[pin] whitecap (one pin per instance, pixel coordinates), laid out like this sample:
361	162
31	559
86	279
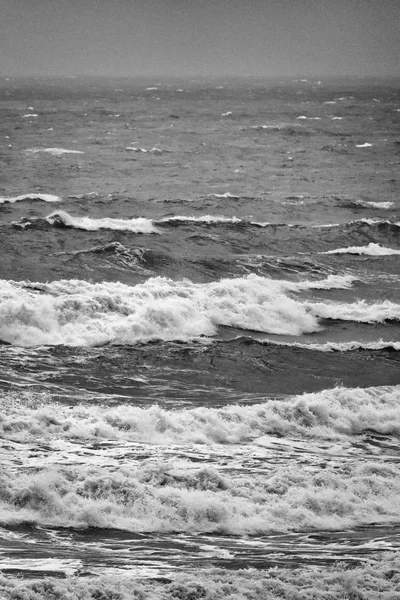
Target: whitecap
371	250
202	219
371	204
54	151
225	195
376	222
366	145
262	223
337	346
139	225
42	197
358	312
365	221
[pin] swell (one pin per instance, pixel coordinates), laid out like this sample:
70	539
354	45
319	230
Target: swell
62	218
242	370
197	250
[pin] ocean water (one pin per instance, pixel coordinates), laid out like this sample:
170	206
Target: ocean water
199	339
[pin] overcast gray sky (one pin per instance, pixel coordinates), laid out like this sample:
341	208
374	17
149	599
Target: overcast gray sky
200	37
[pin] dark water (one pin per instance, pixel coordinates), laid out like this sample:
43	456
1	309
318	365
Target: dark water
199	327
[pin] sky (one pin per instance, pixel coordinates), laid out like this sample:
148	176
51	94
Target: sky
199	37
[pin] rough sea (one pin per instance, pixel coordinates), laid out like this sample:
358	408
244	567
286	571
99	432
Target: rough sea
200	339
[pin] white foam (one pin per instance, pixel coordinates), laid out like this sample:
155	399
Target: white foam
42	197
54	151
75	312
366	145
371	250
226	114
29	115
139	225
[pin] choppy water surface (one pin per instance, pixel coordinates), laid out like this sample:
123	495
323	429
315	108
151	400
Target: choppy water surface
199	325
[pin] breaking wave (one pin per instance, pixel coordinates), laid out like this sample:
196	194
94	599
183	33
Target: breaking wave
75	312
372	579
163	497
177	495
335	414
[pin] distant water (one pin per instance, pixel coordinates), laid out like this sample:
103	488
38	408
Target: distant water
200	339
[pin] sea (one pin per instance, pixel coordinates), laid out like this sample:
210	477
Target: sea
199	338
